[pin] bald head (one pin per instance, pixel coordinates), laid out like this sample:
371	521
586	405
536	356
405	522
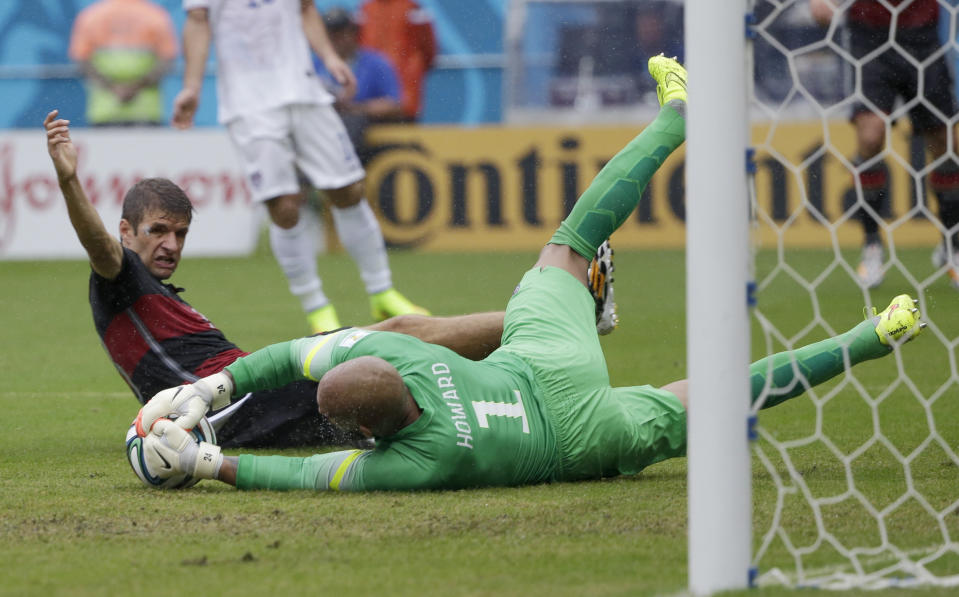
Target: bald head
366	394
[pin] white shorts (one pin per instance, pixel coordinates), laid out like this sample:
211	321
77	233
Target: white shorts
273	144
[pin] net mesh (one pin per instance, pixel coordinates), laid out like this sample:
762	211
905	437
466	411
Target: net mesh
858	479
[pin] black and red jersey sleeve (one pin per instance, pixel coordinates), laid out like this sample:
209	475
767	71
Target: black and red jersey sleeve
154	338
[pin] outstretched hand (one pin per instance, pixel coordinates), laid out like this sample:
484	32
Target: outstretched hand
61	148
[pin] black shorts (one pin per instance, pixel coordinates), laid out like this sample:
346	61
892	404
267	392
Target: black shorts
891	75
283	418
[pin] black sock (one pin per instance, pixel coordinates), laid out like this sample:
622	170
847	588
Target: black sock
875	193
944	182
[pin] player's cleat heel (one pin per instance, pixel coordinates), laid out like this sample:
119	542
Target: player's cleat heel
940	258
391	303
600	278
670	79
870	267
323	319
899	322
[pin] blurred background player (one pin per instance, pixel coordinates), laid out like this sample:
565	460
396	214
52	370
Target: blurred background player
886	77
403	31
281	119
377	97
156	339
124	48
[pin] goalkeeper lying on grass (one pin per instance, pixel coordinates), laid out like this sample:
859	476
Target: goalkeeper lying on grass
540	408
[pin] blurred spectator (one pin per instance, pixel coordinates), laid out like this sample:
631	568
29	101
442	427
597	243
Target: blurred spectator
377	97
603	51
403	31
124	47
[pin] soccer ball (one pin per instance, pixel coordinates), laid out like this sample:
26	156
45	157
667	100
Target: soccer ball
203	432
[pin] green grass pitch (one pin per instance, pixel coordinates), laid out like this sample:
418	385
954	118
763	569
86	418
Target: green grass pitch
75	521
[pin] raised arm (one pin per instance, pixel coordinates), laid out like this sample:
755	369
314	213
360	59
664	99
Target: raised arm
103	249
196	49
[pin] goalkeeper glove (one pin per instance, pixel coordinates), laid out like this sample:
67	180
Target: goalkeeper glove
169	449
190	402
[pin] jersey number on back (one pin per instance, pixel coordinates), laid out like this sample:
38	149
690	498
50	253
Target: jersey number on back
512	410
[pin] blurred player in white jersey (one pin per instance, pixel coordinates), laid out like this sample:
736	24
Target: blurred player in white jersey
280	119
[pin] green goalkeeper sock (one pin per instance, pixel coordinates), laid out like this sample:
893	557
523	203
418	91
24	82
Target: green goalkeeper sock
816	363
616	190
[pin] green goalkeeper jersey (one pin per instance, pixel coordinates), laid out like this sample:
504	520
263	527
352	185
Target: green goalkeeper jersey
482	423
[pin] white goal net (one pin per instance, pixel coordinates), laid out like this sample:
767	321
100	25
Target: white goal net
856	483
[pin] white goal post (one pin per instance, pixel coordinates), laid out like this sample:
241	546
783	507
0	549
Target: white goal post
855	482
717	258
860	487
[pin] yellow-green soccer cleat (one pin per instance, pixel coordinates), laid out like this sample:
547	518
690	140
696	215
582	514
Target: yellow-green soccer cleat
899	322
391	303
323	319
670	79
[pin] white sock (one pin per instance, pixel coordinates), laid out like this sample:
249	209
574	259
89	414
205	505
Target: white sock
361	235
294	250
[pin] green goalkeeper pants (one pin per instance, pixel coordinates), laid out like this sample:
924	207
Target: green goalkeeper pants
601	431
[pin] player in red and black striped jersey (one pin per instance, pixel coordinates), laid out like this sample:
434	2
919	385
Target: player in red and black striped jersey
889	74
152	335
157	340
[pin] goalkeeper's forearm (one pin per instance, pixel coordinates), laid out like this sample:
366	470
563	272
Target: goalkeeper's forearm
272	367
265	369
283	363
335	471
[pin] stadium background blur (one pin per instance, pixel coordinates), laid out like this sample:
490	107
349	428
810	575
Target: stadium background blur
474	79
525	103
34	65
